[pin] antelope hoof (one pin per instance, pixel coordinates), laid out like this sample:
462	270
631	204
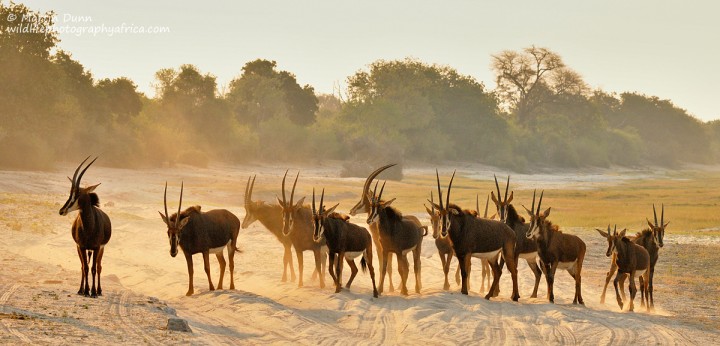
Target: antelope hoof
219	287
338	289
516	298
391	288
232	286
375	294
487	296
404	291
463	291
534	295
189	293
446	286
99	292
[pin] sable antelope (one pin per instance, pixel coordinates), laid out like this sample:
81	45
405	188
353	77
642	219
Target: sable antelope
556	249
91	229
476	237
653	244
270	216
444	246
298	227
631	259
363	206
195	231
651	239
524	248
397	235
344	239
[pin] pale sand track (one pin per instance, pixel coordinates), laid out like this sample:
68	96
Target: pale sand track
40	274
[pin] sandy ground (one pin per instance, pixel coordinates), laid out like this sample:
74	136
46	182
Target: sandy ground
144	286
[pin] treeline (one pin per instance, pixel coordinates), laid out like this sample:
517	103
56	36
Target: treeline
541	113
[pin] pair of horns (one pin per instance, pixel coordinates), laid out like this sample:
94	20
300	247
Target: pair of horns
167	216
249	189
507	187
662	216
447	197
322	197
535	211
372	176
75	181
292	193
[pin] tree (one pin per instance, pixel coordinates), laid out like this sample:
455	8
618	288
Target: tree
530	78
262	92
120	97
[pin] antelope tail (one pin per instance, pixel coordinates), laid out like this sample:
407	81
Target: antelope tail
363	264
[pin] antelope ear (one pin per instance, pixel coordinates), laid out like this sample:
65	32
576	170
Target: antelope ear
650	223
279	201
329	211
492	196
528	211
299	203
70	179
165	220
510	198
454	211
665	225
389	202
183	222
602	233
428	210
622	233
546	213
92	188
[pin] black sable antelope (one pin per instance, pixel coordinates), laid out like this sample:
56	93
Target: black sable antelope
270	216
525	248
209	232
91	229
652	240
344	239
397	235
363	206
556	249
631	259
444	246
475	237
298	227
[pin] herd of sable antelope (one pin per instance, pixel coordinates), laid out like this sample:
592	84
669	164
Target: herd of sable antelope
500	240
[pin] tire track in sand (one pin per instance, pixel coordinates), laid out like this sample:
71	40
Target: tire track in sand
6	294
119	307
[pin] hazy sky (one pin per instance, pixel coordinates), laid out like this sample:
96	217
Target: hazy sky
668	49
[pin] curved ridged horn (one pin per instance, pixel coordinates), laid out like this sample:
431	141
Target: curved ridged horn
487	202
477	203
655	215
447	198
507	187
372	176
662	215
292	194
322	199
497	186
283	188
177	218
540	202
314	210
167	216
76	172
381	190
79	178
437	175
432	204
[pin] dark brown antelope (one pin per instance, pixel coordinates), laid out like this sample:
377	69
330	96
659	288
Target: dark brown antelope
631	260
91	229
270	216
444	246
556	249
344	239
476	237
653	244
525	248
399	236
363	206
651	239
195	231
298	227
